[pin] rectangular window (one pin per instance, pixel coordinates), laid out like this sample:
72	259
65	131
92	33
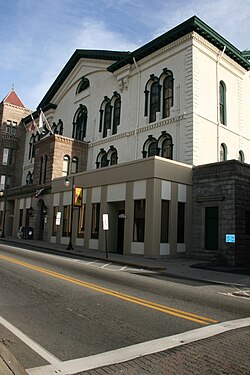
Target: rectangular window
248	222
139	220
181	223
95	220
1	220
7	156
164	221
54	227
2	182
81	221
27	217
211	227
66	221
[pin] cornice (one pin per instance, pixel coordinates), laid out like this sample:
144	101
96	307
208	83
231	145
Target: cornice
143	129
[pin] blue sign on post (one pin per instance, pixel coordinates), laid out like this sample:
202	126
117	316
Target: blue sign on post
230	238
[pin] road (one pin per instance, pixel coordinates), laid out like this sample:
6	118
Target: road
55	309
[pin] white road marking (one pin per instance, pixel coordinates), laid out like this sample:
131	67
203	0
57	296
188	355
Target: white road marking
106	265
138	350
50	358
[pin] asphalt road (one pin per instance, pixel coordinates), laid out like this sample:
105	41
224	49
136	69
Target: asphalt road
54	308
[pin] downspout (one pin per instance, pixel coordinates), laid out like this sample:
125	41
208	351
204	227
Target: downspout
138	107
219	57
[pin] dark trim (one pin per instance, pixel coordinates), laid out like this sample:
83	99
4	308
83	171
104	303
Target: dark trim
192	24
77	55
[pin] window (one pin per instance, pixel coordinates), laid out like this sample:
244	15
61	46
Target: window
139	220
31	147
117	114
164	221
113	157
152	148
223	152
29	178
104	160
2	182
66	221
7	156
74	166
159	95
95	220
167	94
81	221
66	162
154	101
80	123
83	85
181	222
54	226
20	218
108	116
222	103
107	119
167	147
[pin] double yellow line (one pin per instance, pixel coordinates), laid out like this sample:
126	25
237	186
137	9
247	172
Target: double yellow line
139	301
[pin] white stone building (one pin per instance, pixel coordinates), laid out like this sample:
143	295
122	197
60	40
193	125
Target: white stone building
181	100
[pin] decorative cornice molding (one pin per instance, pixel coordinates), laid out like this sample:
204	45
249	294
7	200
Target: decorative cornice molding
146	128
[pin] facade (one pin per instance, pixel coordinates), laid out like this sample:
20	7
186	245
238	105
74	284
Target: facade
130	129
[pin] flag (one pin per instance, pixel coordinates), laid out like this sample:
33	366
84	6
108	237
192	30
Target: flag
39	192
44	126
33	128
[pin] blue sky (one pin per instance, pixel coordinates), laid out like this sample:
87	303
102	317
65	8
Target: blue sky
37	38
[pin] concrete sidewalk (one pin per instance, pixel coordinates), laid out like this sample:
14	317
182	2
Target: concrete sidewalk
186	268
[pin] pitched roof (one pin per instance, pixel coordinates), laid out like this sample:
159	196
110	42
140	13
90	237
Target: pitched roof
13	99
77	55
192	24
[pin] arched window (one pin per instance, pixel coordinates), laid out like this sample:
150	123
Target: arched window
241	156
83	85
167	94
104	160
150	147
154	101
222	97
112	155
153	148
74	166
66	162
223	152
107	119
167	147
31	147
117	114
29	178
80	123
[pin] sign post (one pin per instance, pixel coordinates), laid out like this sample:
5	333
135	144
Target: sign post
105	226
230	239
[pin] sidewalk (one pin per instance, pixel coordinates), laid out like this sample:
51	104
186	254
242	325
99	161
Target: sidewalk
193	269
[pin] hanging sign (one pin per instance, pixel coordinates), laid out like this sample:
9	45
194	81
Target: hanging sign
78	196
58	218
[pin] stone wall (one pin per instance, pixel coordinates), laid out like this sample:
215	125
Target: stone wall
227	186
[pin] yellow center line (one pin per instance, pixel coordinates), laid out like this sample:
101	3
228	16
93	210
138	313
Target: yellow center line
139	301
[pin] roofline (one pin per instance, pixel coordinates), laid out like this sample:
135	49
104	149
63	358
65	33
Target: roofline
77	55
192	24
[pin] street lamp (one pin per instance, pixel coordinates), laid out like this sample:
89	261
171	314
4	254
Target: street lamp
67	183
2	193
